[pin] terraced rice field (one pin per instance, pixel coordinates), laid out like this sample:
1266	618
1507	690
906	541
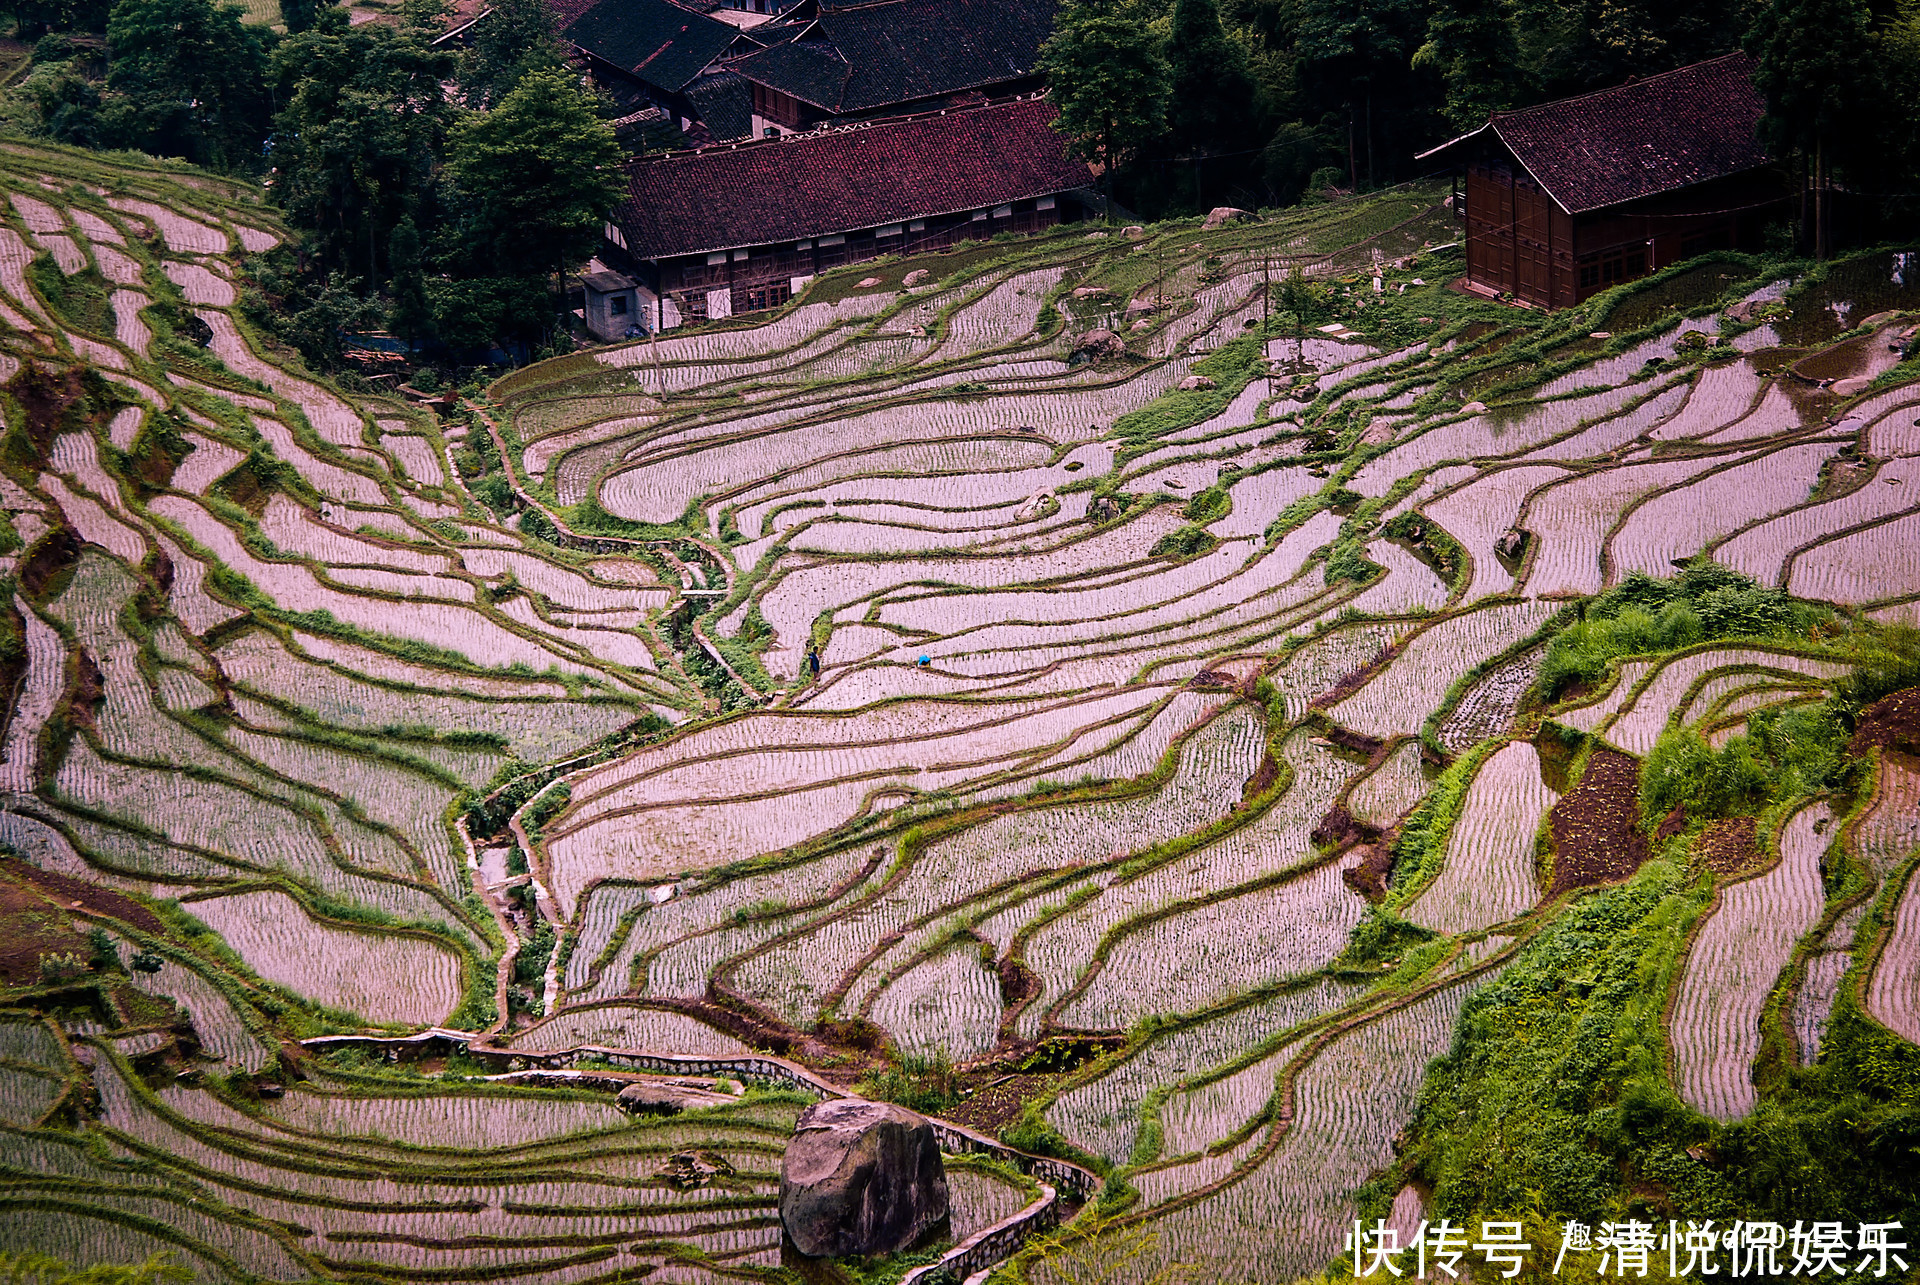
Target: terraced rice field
1488	876
910	694
1735	959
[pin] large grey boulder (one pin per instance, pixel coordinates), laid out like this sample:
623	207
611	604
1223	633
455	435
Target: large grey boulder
1096	346
860	1178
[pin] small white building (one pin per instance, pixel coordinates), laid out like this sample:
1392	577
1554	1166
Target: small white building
612	303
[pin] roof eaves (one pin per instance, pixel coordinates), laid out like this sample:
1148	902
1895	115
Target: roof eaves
766	83
1698	182
1453	142
861	227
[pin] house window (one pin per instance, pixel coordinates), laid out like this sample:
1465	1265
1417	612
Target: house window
617	305
767	296
1610	267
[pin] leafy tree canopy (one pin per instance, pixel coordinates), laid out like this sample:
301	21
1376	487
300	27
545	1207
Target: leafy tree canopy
537	175
189	80
1109	80
356	146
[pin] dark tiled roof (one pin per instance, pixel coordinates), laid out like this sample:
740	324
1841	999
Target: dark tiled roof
843	180
662	43
1640	139
565	11
870	56
724	103
809	69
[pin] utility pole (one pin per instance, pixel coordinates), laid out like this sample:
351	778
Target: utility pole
1266	296
1819	199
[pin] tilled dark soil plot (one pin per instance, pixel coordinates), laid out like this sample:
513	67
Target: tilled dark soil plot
1594	827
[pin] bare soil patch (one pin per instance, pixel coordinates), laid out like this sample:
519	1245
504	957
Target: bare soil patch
999	1101
1594	827
65	890
30	928
1890	723
1729	846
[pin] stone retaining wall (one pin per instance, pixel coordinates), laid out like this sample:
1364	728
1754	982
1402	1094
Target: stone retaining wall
993	1245
977	1253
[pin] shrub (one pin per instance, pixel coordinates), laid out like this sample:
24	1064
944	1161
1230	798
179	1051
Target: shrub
1347	560
1786	753
1208	506
1187	542
1642	614
926	1085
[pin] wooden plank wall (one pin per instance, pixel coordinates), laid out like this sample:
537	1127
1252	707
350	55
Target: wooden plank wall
1518	240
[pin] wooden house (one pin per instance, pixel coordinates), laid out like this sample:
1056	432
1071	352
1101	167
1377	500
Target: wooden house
654	54
890	57
723	78
720	230
1569	198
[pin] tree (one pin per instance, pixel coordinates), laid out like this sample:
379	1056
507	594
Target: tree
1212	107
1357	53
1816	70
410	316
537	175
190	81
515	37
1573	46
1471	44
34	18
356	147
300	15
1109	81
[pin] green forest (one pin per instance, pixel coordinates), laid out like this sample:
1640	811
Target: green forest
1193	103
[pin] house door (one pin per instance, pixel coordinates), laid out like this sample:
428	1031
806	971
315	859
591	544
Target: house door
1532	242
1490	226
